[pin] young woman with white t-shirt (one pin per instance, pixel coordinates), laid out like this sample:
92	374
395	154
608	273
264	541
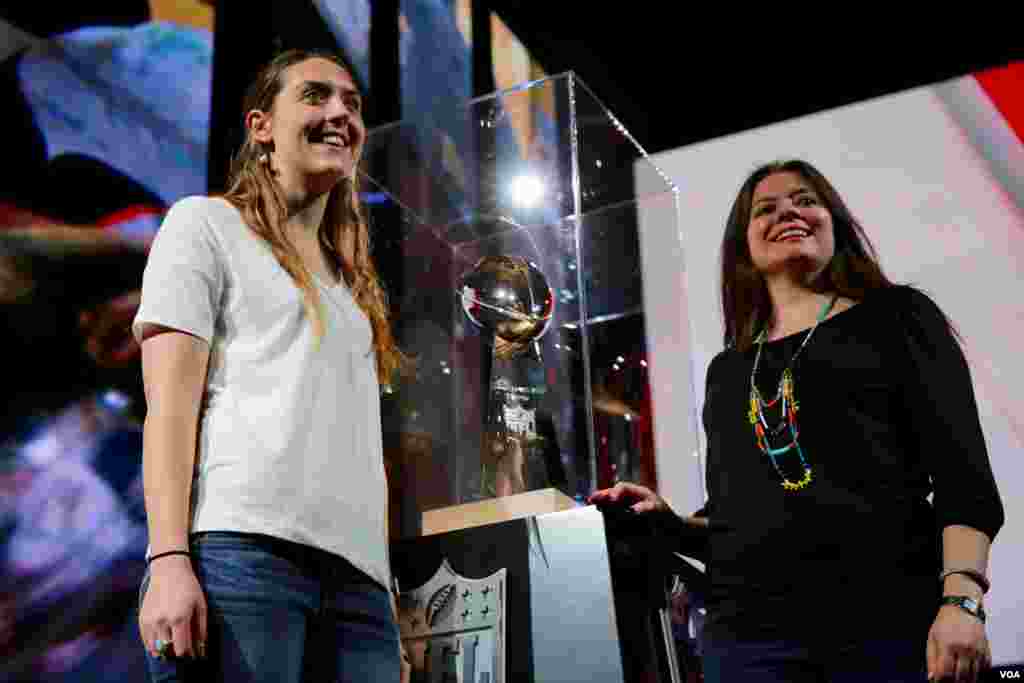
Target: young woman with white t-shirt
265	335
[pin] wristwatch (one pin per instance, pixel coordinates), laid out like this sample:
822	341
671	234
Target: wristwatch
969	605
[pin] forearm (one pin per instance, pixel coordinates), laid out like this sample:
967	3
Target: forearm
684	522
964	548
174	368
167	465
688	533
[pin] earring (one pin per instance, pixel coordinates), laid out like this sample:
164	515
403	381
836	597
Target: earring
263	158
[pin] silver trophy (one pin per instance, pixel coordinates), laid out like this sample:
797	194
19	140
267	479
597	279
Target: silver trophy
509	300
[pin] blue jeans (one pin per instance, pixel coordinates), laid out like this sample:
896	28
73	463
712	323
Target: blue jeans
877	661
287	613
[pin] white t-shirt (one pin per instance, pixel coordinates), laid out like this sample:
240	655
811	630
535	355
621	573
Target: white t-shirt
289	434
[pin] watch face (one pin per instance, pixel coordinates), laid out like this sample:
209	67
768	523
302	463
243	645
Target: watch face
969	604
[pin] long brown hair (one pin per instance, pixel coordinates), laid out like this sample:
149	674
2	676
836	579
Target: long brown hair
344	234
853	271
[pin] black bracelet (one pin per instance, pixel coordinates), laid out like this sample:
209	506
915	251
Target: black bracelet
169	552
972	574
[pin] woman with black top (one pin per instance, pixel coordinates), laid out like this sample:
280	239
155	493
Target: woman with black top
840	404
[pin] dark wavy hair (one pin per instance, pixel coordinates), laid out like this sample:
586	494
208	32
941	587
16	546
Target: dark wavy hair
853	272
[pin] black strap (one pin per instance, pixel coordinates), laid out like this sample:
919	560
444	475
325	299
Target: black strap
972	574
169	552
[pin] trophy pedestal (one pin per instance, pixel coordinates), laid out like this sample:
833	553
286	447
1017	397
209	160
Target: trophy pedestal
494	510
577	595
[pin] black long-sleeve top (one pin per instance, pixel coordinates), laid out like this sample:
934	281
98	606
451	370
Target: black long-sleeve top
887	418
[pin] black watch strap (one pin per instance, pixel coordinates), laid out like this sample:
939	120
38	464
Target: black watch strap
969	605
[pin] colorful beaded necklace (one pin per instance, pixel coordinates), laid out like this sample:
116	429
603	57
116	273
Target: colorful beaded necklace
788	410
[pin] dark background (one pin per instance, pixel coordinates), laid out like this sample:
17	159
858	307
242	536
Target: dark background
679	73
672	74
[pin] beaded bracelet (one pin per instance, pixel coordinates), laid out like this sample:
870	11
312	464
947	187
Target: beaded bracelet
169	552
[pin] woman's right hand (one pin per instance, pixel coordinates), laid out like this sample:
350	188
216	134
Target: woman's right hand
174	608
638	498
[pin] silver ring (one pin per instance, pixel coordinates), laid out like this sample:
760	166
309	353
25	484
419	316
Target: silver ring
164	648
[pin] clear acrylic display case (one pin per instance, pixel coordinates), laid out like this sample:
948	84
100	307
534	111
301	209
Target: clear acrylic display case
512	232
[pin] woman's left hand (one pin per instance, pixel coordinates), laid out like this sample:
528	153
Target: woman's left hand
958	648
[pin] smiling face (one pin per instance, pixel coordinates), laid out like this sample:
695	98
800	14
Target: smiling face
315	128
790	228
